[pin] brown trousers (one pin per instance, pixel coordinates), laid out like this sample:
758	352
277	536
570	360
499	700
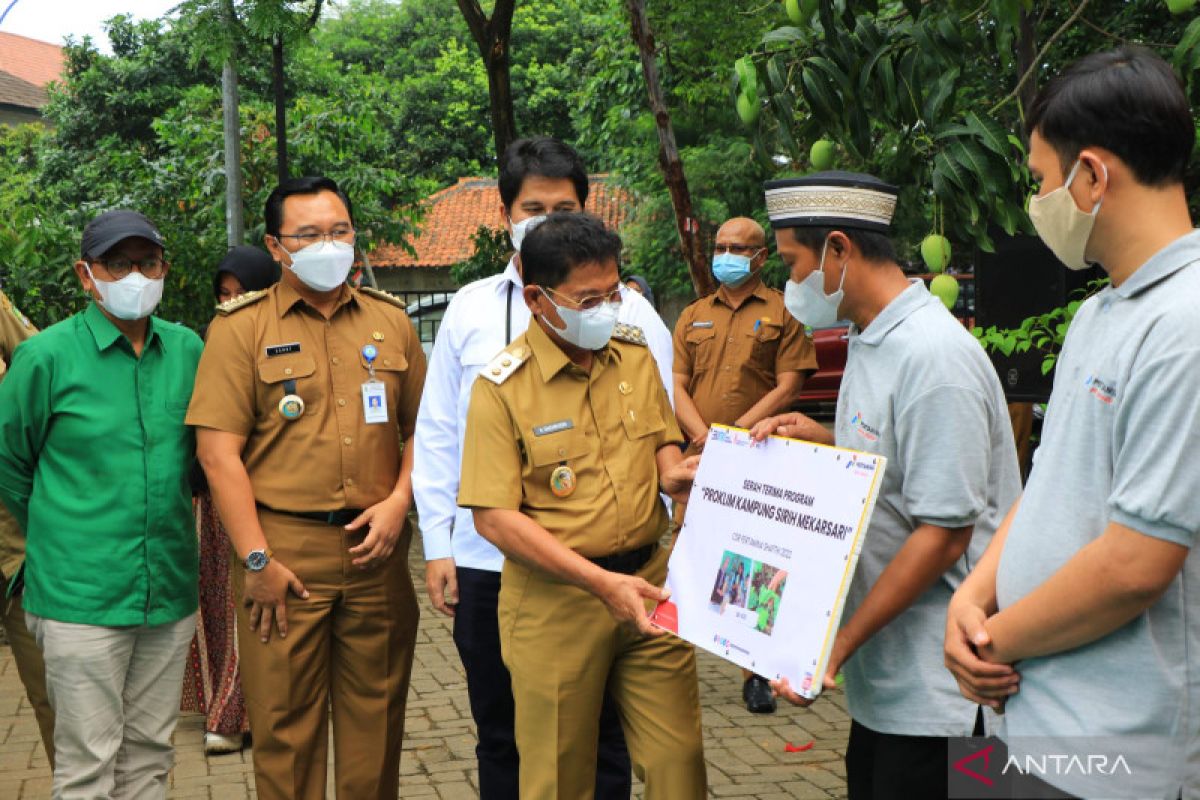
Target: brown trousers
349	648
564	650
30	667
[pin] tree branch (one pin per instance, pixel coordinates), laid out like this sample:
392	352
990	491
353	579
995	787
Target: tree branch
477	22
1041	54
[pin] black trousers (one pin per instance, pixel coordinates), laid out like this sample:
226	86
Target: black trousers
886	766
489	689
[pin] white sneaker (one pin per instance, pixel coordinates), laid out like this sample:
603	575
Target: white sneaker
217	743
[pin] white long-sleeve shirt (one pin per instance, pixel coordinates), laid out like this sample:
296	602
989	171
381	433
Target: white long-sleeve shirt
473	330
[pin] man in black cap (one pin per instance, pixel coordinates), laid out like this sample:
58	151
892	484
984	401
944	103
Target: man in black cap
94	458
918	390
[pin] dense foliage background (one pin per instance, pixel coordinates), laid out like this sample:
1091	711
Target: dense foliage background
391	98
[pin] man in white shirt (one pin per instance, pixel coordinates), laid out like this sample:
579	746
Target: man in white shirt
462	575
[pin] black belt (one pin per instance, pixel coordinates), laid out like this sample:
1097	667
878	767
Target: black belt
626	563
340	517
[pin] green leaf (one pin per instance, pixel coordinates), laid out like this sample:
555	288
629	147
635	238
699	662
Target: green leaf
820	99
943	87
990	133
785	34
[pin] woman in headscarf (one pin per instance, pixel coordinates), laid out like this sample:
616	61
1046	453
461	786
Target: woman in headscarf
212	684
640	285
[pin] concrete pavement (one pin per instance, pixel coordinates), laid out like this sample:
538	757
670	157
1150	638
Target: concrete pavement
745	752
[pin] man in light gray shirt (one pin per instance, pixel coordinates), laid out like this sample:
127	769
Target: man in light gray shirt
1082	619
919	390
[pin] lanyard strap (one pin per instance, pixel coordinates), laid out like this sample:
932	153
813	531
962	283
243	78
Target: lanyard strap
508	315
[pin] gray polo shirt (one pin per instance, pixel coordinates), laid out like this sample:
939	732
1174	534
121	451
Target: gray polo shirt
919	390
1121	443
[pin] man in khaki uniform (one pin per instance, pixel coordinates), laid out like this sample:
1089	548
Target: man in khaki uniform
739	358
305	403
15	328
569	438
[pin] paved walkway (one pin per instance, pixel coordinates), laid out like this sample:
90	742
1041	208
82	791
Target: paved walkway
745	752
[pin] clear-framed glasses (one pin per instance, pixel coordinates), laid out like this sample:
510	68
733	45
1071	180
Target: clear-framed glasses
119	268
345	235
737	249
593	301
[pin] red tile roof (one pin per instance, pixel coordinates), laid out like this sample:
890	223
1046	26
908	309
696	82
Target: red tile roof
456	212
31	60
26	67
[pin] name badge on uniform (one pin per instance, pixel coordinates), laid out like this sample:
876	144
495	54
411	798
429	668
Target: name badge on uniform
553	427
702	324
282	349
374	396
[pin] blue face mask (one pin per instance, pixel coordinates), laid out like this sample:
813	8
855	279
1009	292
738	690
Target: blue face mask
731	269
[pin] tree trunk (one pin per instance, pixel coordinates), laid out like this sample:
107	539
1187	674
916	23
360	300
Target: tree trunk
1026	53
491	37
668	156
280	89
234	221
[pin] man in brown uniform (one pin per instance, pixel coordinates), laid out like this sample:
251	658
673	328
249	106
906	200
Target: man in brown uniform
569	438
304	396
739	358
15	328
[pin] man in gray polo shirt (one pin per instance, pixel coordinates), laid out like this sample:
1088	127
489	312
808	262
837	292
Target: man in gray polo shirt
1092	588
919	390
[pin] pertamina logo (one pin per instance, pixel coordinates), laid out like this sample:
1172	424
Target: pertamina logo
863	429
1102	390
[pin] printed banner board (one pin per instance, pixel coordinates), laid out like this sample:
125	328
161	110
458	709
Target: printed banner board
760	570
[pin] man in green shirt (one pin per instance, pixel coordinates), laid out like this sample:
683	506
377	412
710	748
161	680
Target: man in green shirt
94	460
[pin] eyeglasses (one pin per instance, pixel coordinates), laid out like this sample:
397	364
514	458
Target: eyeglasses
119	268
737	249
336	235
588	303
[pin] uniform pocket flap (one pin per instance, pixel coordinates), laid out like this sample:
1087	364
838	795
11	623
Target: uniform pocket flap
289	367
387	361
639	424
556	448
695	335
768	331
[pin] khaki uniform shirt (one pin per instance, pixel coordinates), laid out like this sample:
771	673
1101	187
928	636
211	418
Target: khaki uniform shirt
606	426
732	356
329	458
15	328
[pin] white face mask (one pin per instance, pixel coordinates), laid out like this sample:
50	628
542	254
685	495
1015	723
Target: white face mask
133	297
587	330
1061	225
519	229
807	301
323	266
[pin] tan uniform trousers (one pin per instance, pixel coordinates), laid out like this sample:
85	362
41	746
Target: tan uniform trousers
30	667
349	647
563	648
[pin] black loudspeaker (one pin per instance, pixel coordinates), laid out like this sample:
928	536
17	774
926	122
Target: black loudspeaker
1023	279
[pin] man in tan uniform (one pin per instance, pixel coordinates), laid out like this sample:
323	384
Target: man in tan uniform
305	403
739	358
569	438
15	328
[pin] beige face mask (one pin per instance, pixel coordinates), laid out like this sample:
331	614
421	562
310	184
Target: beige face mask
1061	225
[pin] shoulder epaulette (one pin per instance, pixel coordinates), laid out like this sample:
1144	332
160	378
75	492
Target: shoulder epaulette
379	294
629	333
247	299
509	360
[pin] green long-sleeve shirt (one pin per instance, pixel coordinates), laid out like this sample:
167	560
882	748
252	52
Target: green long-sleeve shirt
94	459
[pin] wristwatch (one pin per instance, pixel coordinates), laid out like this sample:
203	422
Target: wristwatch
257	560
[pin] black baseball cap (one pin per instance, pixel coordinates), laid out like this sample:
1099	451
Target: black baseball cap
107	230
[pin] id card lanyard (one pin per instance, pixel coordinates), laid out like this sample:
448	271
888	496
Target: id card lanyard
374	392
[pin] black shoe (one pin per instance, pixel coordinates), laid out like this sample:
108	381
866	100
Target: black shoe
758	696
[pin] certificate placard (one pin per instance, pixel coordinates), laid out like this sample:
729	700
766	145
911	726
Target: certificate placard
760	571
